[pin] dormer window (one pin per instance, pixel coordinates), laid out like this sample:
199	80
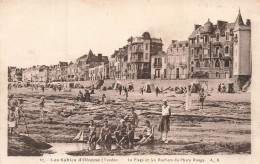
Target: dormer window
217	37
198	38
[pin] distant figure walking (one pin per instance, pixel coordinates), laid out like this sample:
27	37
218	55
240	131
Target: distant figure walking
188	99
142	90
202	97
104	99
120	89
42	108
92	89
126	93
157	90
165	121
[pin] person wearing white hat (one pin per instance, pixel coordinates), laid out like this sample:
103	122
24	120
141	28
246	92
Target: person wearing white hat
165	121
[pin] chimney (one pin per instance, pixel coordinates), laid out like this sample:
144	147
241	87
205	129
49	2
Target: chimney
248	22
100	57
196	26
173	41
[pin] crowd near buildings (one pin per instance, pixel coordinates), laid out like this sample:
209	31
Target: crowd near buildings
221	50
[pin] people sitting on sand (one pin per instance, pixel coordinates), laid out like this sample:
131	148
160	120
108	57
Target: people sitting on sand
92	132
147	134
105	134
120	132
80	96
130	133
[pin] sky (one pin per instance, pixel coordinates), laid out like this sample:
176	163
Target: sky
36	32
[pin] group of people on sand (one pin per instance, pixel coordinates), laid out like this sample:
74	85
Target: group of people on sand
14	113
125	131
84	97
123	88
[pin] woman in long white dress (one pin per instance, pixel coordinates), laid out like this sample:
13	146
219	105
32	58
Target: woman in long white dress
188	99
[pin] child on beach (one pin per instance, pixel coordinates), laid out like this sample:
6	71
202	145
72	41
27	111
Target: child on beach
92	132
120	132
105	133
148	134
11	121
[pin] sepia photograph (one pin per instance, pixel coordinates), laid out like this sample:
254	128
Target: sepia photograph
97	81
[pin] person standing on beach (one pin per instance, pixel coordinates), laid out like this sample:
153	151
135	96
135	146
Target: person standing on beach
165	121
188	99
11	120
202	97
120	89
126	93
157	90
42	108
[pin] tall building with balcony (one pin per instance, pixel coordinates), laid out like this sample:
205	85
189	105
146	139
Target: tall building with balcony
139	53
159	63
221	50
178	60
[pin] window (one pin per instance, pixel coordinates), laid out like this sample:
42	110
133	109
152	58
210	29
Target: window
226	63
217	37
146	46
183	48
217	50
177	49
191	62
217	63
206	63
146	56
217	74
198	51
192	52
197	64
227	36
198	38
205	51
226	49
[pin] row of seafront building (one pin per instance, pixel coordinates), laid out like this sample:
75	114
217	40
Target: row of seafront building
221	50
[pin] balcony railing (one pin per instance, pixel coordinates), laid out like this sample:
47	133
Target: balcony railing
157	65
138	50
214	55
